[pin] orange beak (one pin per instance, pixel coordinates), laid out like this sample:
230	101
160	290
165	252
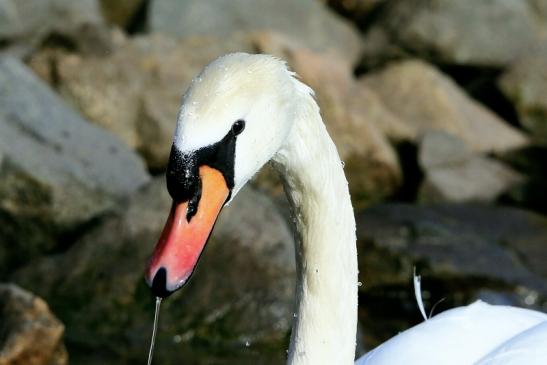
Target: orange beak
183	239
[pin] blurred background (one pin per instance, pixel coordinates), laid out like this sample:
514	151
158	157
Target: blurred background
438	109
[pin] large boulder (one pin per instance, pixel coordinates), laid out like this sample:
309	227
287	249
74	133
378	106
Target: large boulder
465	32
31	21
459	249
57	171
525	84
29	333
454	174
307	21
462	252
424	98
239	302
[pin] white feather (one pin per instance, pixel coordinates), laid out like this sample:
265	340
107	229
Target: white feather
418	294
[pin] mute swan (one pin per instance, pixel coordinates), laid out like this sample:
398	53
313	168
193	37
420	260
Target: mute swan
245	110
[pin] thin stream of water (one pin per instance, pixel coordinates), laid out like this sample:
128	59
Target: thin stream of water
154	330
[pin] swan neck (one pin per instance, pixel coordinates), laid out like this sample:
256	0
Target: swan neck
325	323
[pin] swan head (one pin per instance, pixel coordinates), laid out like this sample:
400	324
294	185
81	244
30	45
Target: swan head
234	117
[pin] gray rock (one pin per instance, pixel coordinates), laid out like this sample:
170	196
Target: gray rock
423	98
462	252
454	174
463	249
466	32
57	171
477	180
98	158
32	20
525	83
306	21
30	333
242	290
438	149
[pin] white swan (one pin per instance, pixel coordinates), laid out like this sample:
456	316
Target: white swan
245	110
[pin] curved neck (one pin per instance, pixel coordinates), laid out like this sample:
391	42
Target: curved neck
325	324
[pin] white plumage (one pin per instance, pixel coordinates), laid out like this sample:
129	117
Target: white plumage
462	335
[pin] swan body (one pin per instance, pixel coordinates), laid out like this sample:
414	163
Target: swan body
463	335
213	156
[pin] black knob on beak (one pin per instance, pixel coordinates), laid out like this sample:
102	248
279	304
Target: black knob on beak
182	175
159	284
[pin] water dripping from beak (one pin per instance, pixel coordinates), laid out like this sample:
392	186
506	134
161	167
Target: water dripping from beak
154	331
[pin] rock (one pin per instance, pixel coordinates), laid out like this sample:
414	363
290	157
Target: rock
525	84
242	291
378	50
460	249
307	21
121	12
439	149
454	174
487	33
423	98
31	21
476	180
57	172
352	114
34	109
135	92
30	333
462	252
529	162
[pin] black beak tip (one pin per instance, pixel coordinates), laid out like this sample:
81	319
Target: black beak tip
159	284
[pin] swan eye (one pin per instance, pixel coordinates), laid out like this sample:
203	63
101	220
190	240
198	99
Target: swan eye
238	126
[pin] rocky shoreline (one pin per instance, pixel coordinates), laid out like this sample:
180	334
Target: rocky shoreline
438	111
